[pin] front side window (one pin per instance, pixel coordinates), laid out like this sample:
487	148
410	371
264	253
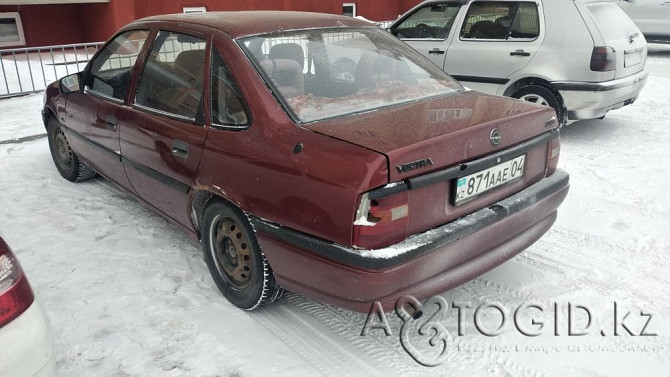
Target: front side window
110	71
431	21
326	73
501	21
172	79
227	102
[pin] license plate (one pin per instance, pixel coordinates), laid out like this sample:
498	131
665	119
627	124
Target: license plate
475	184
631	58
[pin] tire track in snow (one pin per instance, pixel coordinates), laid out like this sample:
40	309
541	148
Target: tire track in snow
324	349
560	253
389	352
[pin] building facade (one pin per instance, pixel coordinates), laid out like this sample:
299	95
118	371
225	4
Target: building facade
31	23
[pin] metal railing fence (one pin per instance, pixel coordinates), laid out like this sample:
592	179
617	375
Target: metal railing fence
29	70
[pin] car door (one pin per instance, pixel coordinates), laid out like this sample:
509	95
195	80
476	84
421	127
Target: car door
91	115
429	29
163	133
495	39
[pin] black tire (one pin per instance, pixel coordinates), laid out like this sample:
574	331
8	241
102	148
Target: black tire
234	257
544	96
64	157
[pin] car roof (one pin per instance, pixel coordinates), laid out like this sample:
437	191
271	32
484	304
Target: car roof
244	23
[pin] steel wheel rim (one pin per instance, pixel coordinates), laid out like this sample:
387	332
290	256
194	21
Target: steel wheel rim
64	154
231	251
534	98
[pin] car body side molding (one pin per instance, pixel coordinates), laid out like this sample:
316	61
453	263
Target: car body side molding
440	236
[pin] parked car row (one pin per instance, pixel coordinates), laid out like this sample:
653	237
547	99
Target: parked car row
348	187
583	58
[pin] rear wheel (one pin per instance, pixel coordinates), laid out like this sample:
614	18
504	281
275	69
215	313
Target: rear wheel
65	159
541	95
234	258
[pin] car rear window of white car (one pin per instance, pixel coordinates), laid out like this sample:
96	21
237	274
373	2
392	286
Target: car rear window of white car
611	20
325	73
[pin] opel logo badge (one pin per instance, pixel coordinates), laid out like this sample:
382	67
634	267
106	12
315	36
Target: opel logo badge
495	137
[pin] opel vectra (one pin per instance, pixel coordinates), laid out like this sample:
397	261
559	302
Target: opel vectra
241	129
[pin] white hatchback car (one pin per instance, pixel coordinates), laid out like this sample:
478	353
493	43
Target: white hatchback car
581	57
26	342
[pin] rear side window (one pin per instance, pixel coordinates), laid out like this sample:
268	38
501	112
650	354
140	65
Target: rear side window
172	80
501	21
611	20
227	105
431	21
110	71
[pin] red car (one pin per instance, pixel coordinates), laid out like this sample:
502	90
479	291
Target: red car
310	152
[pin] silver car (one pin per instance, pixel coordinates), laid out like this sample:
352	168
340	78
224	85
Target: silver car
583	57
651	16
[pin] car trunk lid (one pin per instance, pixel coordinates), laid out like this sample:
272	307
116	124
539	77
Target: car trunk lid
433	145
619	32
430	135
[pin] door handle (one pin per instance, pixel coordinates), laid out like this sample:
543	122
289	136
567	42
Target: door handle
436	51
179	149
111	123
519	53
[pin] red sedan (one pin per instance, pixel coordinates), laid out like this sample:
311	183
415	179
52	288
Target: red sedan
310	152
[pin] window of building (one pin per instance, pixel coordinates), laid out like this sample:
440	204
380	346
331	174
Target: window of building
349	9
195	9
11	30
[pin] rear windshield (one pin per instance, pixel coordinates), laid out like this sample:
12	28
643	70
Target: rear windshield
325	73
612	21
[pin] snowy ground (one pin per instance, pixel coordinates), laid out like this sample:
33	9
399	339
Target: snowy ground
129	294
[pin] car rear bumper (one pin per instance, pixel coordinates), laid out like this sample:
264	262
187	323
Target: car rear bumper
28	348
423	265
588	100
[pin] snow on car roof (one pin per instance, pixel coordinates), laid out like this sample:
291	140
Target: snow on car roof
244	23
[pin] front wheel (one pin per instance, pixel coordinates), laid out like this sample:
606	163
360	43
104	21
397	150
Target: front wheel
234	258
65	159
541	95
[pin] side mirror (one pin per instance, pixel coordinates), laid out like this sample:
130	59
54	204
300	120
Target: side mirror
71	83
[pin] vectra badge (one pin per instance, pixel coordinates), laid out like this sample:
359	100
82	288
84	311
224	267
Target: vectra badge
404	168
495	137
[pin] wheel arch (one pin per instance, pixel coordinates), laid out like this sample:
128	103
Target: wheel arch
200	197
48	113
515	86
526	81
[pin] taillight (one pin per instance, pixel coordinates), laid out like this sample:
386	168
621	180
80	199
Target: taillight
16	296
553	152
603	58
381	222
